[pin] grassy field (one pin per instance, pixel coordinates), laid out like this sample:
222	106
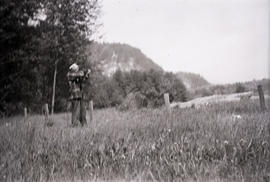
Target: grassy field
220	142
202	101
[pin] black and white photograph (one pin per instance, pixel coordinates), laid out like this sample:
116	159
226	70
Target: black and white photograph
135	91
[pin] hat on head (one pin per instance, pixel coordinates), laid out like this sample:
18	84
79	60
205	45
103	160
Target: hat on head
74	67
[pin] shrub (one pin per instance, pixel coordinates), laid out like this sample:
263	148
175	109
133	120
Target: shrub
239	88
137	89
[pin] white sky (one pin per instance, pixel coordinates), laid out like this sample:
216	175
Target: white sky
222	40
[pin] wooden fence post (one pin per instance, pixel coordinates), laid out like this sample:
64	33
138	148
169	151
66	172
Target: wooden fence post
91	109
261	95
46	110
25	112
167	100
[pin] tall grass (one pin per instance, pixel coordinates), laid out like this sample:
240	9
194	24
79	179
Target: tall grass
206	144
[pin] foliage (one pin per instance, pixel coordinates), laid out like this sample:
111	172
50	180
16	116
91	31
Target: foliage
192	80
37	36
15	50
206	144
106	93
147	88
239	88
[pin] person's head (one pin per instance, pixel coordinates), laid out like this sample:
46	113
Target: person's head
74	67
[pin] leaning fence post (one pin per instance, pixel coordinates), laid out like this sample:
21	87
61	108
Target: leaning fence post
261	95
91	108
167	101
25	112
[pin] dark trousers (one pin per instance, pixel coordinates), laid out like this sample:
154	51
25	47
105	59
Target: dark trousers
78	111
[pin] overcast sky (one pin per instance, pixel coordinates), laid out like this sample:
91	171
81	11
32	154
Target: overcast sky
223	40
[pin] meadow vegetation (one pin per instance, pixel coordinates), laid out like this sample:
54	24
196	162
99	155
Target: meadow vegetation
220	142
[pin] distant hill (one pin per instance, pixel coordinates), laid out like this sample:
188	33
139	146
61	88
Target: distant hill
192	80
114	56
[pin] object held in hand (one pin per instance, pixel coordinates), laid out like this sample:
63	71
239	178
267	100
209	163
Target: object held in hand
88	72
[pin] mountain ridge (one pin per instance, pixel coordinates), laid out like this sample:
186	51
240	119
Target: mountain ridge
117	56
114	56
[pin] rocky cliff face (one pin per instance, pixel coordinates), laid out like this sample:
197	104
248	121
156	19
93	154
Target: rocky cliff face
114	56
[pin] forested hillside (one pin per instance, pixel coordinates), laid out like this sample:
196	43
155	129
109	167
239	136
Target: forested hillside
192	80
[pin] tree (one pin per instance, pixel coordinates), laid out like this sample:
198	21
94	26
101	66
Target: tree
149	87
69	25
239	87
16	60
120	80
158	83
38	41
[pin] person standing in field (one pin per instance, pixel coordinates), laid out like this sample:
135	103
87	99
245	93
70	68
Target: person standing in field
76	80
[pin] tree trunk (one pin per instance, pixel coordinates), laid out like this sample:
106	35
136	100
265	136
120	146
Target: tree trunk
54	84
